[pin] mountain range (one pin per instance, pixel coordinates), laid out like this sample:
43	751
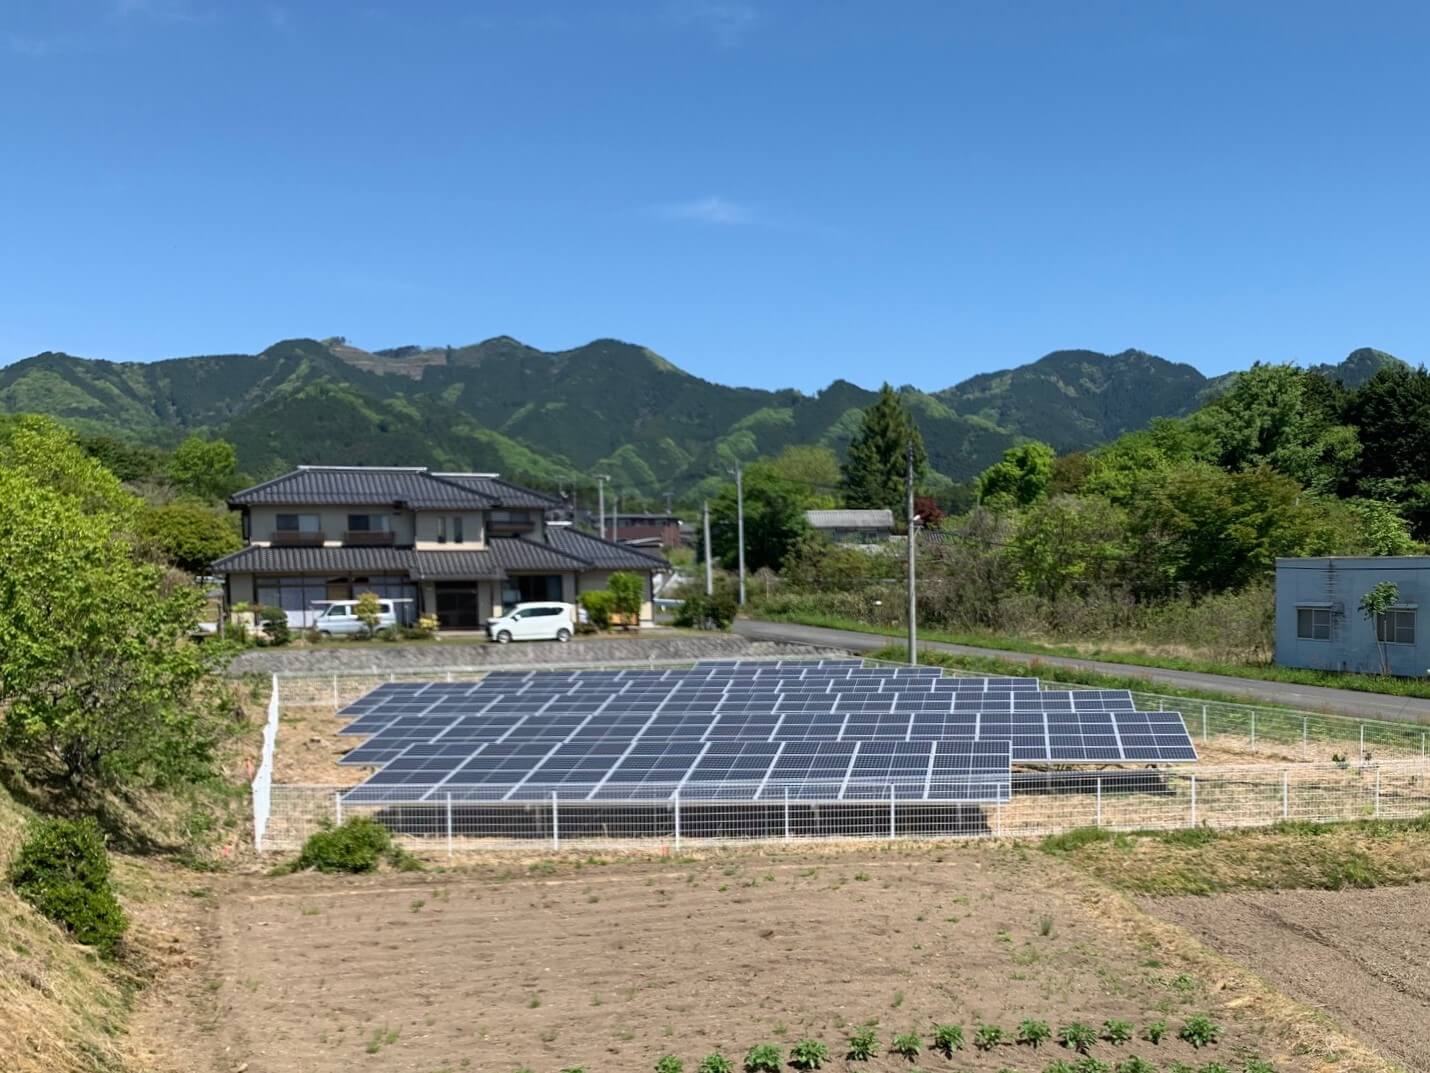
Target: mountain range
608	407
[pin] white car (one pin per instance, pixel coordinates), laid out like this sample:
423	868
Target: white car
340	619
533	622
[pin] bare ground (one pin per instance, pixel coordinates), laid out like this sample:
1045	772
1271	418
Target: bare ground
1362	956
610	965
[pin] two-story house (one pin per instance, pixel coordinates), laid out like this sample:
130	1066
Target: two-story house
461	546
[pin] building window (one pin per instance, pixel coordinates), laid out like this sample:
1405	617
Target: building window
511	517
367	523
441	529
296	523
1313	623
1396	626
456	529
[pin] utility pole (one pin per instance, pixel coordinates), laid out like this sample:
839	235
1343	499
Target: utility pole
601	479
740	526
709	569
913	547
616	517
668	497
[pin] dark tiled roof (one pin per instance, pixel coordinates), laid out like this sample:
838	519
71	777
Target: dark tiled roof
601	553
374	485
516	554
502	493
256	559
432	565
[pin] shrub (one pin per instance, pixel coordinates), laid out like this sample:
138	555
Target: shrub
368	610
700	612
669	1064
627	591
1116	1032
599	605
1154	1032
906	1045
1200	1031
1034	1033
1077	1036
62	869
862	1045
716	1063
986	1037
274	622
808	1054
763	1058
947	1039
1088	1064
356	845
1135	1065
427	623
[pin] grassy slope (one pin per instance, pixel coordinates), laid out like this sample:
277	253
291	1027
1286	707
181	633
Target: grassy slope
1400	687
61	1008
1288	856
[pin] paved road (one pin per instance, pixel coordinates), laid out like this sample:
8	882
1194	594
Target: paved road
1310	698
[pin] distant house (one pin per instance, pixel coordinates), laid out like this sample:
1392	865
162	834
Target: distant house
1319	623
643	528
852	526
460	546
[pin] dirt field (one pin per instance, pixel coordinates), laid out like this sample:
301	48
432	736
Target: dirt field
1362	956
610	965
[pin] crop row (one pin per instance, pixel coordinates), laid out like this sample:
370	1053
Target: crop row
1199	1031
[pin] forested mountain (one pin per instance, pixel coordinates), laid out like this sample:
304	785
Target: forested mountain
607	406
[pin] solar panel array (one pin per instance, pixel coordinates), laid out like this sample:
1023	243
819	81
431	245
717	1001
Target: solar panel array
832	730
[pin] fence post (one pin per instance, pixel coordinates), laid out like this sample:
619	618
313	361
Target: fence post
1253	726
336	705
555	823
1194	800
786	813
891	812
1305	736
449	826
1377	791
1422	745
1285	795
1204	724
677	821
1362	744
998	819
1097	819
338	808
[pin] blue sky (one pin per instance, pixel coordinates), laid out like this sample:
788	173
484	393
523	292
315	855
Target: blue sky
770	192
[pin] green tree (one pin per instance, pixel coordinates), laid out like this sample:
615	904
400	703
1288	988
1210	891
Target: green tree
189	535
774	519
813	468
1381	597
1021	478
1068	544
1391	413
99	678
368	610
62	869
207	469
876	464
627	594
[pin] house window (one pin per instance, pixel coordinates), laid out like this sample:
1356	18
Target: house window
456	529
367	523
1396	626
511	517
296	523
1313	623
441	529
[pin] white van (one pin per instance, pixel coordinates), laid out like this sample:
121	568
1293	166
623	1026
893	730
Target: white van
339	618
533	622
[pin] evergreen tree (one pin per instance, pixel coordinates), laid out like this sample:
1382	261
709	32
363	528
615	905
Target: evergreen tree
874	468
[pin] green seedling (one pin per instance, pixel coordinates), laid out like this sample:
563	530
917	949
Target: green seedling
947	1039
808	1054
1034	1033
1200	1031
906	1045
1077	1036
863	1045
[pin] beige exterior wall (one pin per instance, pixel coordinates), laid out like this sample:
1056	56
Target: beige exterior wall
473	530
240	588
600	579
333	521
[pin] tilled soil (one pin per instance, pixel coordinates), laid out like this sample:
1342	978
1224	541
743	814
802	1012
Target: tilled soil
1361	956
608	966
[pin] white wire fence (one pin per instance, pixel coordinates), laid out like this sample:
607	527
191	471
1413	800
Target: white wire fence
1042	803
1315	767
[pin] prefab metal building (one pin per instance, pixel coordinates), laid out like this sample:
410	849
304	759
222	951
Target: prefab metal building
1320	625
